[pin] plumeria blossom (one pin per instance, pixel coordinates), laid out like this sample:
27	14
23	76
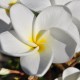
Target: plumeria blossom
39	5
50	38
70	73
72	5
4	71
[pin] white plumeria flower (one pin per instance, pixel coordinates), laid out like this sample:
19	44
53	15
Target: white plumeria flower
50	38
70	73
73	5
39	5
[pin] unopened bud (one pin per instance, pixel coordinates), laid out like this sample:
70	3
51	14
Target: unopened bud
4	71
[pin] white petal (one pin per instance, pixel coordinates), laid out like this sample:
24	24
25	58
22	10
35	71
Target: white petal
58	17
12	46
46	58
22	20
3	16
71	74
60	2
74	7
30	63
36	5
4	3
37	63
63	46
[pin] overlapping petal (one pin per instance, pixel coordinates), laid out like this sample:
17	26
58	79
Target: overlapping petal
37	63
12	46
39	5
30	63
4	17
6	3
46	58
62	44
74	7
22	20
57	17
36	5
60	2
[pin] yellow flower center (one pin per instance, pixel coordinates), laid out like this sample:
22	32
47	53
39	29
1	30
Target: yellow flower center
40	44
41	47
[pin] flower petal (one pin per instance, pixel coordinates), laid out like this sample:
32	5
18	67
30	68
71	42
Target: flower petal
61	2
74	7
4	3
3	16
12	46
46	58
58	17
62	45
36	5
30	63
22	20
37	64
71	74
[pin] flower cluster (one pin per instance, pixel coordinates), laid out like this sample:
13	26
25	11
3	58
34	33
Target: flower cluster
51	37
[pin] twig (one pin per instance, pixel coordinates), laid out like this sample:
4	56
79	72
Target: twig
60	66
16	72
